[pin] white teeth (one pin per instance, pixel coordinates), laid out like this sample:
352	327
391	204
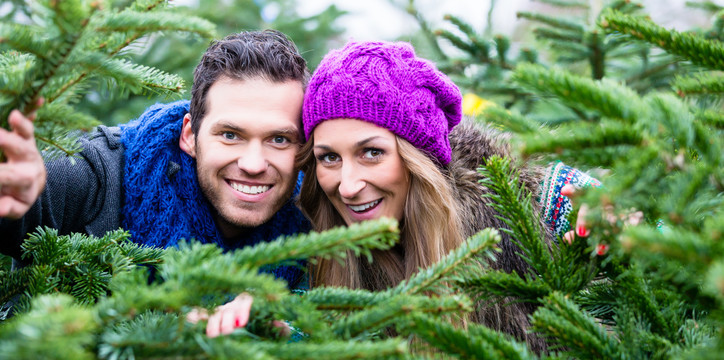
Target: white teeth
363	207
251	190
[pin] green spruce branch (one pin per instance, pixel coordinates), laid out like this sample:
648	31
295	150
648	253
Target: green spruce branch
71	43
476	341
360	238
702	83
690	46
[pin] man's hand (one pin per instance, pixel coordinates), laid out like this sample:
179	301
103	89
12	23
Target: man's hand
23	174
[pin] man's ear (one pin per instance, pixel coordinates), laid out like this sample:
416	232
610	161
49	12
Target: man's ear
187	141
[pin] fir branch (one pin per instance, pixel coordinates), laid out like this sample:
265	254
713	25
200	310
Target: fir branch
686	247
502	45
564	324
459	43
426	30
711	118
690	46
26	38
332	350
576	137
510	200
509	120
624	6
64	147
566	3
13	283
552	21
425	279
706	5
205	269
498	284
329	298
462	25
77	264
15	68
378	317
147	22
72	25
475	342
605	157
558	35
360	238
714	280
636	291
605	96
151	334
700	83
54	328
54	120
140	77
568	52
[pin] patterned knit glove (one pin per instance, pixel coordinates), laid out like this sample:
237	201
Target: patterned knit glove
556	207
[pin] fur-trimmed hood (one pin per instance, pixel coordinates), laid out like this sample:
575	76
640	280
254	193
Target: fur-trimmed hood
471	143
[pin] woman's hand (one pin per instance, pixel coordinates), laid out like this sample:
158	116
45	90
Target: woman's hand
582	228
226	318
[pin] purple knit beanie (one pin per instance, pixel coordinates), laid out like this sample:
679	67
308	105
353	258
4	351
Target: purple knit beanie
386	84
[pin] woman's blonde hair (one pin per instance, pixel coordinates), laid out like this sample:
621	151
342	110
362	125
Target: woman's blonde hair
430	226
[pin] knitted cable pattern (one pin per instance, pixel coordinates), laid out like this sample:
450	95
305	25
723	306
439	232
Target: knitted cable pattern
386	84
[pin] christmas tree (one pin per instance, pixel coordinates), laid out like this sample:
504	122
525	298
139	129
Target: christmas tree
637	103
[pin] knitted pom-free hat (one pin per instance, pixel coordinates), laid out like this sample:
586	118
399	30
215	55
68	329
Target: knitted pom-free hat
386	84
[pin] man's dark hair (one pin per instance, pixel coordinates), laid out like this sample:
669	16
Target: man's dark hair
267	54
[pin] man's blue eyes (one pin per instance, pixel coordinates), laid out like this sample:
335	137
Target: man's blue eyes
276	139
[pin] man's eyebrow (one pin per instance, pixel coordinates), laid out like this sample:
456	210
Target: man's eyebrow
286	131
222	124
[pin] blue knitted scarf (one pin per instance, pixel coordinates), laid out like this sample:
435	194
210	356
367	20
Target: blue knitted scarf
163	202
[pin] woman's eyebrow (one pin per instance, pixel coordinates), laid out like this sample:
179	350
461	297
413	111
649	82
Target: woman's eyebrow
367	140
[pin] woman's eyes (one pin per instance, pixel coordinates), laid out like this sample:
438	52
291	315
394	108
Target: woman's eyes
372	153
367	154
328	158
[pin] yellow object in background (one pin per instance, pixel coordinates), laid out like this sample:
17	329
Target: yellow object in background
474	105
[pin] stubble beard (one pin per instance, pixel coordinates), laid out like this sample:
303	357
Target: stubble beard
224	209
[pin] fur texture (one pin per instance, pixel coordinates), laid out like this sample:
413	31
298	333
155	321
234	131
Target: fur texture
471	143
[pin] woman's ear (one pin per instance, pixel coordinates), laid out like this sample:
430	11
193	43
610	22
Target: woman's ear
187	141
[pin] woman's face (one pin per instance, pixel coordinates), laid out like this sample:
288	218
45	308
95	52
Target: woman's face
360	169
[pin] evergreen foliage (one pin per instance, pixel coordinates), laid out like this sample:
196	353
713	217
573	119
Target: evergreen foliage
638	102
66	45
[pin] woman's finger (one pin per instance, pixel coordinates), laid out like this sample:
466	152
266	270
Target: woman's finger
582	229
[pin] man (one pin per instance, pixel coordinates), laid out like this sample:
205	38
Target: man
220	169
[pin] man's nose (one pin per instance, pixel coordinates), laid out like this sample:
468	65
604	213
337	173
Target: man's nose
253	160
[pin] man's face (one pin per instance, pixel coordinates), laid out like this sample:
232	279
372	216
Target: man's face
245	149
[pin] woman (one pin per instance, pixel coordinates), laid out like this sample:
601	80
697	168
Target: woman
378	121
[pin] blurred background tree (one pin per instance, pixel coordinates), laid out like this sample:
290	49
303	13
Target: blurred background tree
180	53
